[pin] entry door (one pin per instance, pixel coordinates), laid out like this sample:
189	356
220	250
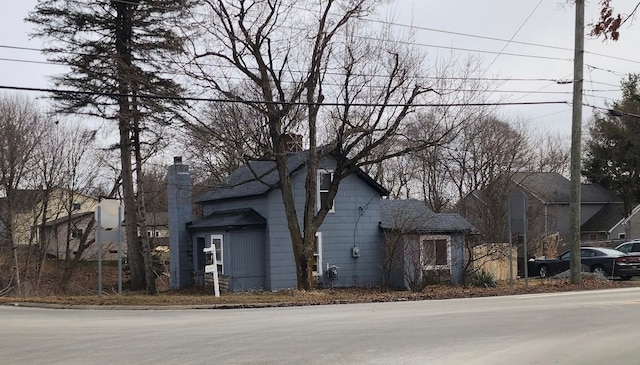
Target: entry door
217	241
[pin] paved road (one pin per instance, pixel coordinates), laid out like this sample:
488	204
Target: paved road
600	327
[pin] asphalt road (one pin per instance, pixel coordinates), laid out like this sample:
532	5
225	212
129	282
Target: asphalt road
601	327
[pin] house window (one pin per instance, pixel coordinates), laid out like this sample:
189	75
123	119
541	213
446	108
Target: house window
435	251
149	234
76	233
157	233
76	206
324	182
216	240
317	255
593	237
622	236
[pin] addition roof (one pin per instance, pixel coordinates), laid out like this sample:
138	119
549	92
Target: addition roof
414	216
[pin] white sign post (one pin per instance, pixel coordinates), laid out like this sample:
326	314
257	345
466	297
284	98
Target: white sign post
213	268
108	216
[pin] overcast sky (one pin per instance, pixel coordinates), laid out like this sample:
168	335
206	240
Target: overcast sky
549	24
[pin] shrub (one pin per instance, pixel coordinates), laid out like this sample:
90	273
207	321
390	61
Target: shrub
483	279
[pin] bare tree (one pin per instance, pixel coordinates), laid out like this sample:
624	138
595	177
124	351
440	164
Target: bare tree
307	54
22	125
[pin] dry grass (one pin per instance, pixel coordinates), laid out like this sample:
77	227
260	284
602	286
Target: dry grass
195	297
83	291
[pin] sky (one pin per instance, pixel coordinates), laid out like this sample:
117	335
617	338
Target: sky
532	45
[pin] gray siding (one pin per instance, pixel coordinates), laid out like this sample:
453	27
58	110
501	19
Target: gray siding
246	260
340	232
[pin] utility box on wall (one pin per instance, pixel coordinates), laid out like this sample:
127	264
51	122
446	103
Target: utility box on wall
355	252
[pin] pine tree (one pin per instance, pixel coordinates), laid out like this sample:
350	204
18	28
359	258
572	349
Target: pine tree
613	148
117	51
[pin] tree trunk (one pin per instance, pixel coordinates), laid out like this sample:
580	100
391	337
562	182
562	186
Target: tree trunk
146	246
123	39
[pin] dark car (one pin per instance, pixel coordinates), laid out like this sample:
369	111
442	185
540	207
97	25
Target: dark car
605	261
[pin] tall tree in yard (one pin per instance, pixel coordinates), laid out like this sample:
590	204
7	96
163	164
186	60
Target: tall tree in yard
613	148
117	51
315	69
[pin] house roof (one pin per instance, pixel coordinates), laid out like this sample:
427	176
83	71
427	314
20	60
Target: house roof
74	217
228	218
551	187
259	177
154	219
606	218
414	216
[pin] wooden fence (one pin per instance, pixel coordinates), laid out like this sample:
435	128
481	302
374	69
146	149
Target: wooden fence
494	258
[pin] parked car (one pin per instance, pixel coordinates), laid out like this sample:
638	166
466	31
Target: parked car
605	261
631	247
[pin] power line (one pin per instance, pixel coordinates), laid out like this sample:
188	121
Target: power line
438	31
504	79
514	35
241	101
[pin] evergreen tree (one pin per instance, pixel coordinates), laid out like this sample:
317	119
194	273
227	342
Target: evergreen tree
117	51
612	156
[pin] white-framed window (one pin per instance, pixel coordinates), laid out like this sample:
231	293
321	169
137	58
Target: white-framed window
76	206
317	255
217	241
324	182
435	251
622	236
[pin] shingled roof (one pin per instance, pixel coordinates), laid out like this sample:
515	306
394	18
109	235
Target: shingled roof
414	216
551	187
229	218
605	219
261	176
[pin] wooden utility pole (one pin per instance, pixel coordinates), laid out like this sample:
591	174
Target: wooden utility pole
576	136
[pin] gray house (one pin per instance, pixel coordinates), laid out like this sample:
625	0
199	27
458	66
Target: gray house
548	211
244	219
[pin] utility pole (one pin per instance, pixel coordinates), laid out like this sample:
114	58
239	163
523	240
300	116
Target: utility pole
576	150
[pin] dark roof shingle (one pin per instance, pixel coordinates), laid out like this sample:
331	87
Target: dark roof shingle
414	216
229	218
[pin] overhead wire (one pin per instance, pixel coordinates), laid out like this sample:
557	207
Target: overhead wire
498	54
262	102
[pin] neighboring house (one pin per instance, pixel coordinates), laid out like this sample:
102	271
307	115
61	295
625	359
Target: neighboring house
434	241
627	228
62	237
548	211
158	228
33	208
244	219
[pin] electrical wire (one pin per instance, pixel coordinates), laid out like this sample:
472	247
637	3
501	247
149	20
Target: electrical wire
260	102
